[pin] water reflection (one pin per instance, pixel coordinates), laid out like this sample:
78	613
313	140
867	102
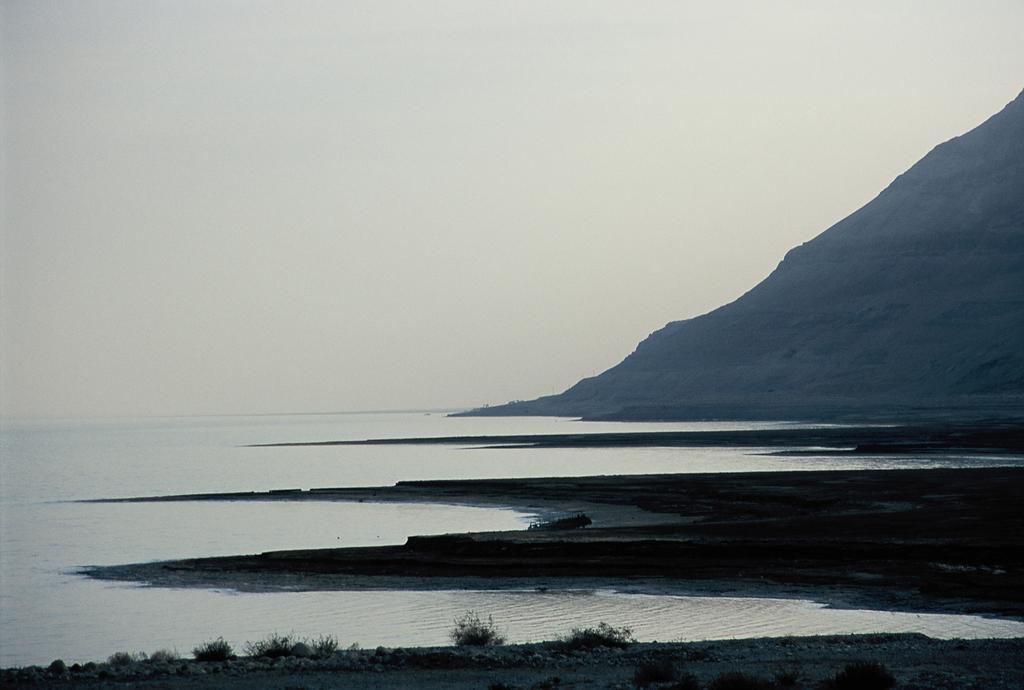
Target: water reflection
46	613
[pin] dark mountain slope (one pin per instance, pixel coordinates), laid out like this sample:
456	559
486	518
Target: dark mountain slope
912	305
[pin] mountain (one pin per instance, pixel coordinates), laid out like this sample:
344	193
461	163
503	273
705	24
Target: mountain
911	306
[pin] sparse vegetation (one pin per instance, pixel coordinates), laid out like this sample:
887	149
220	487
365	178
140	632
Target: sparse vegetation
863	675
273	646
651	672
324	646
125	658
163	656
603	635
739	681
472	631
215	650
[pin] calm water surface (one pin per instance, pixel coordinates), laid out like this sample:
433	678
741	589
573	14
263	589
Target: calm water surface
46	611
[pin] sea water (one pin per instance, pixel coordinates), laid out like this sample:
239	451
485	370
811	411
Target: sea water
46	535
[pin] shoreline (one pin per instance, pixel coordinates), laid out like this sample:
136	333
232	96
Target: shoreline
983	437
911	540
169	574
915	661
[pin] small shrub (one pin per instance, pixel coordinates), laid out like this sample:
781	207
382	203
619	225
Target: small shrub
272	647
471	631
863	675
58	667
603	635
739	681
652	672
124	658
163	656
215	650
324	646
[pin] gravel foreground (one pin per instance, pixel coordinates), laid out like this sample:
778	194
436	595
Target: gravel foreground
915	661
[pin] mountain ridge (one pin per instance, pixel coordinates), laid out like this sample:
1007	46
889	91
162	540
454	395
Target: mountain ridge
913	305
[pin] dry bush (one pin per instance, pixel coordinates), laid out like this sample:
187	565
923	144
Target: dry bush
472	631
603	635
214	650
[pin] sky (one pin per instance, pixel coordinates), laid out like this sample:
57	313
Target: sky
236	207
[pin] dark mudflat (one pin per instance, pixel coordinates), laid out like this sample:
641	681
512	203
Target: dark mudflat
950	540
992	436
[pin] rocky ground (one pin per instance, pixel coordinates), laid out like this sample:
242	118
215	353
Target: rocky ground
916	663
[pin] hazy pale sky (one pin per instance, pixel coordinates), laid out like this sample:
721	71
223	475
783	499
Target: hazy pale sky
223	206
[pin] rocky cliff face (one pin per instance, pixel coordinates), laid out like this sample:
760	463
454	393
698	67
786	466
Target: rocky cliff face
912	305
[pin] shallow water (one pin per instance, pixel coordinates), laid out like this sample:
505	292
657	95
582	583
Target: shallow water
48	612
178	619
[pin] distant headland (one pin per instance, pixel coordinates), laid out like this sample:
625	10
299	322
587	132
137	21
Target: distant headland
911	307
